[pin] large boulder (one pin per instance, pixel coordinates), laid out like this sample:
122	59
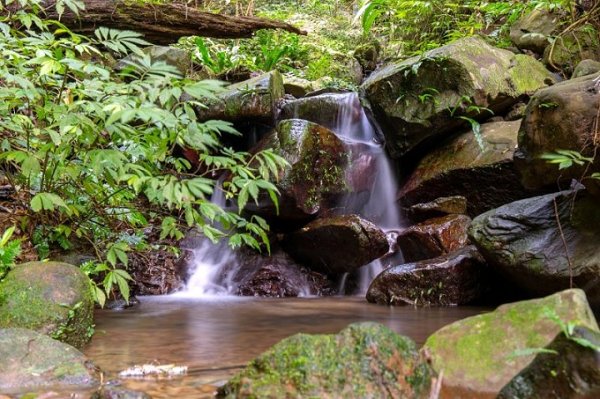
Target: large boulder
569	367
256	99
533	30
314	180
337	244
365	360
523	242
434	237
30	361
50	297
480	354
454	279
561	117
486	178
414	106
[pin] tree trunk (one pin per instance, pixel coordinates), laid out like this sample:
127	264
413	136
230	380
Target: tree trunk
162	23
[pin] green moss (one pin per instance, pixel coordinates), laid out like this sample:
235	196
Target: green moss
528	75
479	350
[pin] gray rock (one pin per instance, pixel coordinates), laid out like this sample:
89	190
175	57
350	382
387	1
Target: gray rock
586	67
522	241
30	361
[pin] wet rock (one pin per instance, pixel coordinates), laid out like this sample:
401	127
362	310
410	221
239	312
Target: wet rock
315	178
522	241
337	245
365	360
480	354
586	67
297	87
516	113
441	206
533	30
572	47
486	178
453	279
172	56
414	106
255	99
434	237
52	298
559	117
30	361
279	276
155	272
323	109
571	369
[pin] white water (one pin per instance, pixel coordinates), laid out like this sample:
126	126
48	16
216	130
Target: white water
215	265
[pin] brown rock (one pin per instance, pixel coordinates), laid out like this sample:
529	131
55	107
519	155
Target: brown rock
434	237
337	244
442	206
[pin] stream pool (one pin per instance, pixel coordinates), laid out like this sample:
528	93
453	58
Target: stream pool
216	336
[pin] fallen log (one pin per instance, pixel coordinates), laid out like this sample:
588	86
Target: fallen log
162	23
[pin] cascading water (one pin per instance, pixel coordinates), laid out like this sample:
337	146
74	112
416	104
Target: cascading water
216	267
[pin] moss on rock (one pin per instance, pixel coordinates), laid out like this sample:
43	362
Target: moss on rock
480	354
365	360
50	297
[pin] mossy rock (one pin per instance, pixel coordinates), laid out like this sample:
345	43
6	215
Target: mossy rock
49	297
533	30
414	106
571	48
480	354
586	67
521	241
30	361
486	177
315	177
365	360
254	100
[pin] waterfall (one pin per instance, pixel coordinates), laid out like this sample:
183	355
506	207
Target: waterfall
353	125
215	267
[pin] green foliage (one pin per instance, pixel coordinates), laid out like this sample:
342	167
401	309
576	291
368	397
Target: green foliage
566	158
86	143
568	329
9	250
112	280
418	25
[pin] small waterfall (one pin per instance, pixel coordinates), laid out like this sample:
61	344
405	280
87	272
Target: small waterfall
216	266
355	128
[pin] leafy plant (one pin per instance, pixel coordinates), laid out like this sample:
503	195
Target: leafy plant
566	158
9	250
92	150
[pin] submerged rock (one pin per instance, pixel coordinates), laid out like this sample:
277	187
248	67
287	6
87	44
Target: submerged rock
480	354
486	178
337	245
561	117
454	279
522	241
50	297
365	360
315	178
570	368
30	361
255	99
414	106
434	237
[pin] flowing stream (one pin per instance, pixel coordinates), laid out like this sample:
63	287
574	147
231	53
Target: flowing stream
216	336
215	266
